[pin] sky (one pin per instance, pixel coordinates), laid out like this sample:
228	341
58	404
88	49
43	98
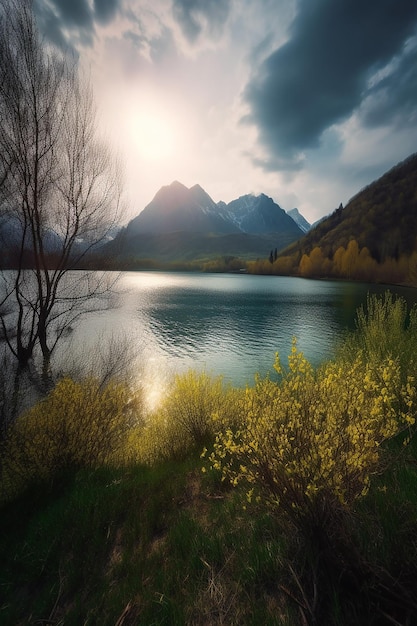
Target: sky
307	101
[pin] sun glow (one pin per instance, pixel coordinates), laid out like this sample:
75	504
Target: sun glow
152	132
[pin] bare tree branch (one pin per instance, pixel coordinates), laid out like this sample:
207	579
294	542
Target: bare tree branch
60	187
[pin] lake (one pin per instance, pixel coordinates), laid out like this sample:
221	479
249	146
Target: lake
229	324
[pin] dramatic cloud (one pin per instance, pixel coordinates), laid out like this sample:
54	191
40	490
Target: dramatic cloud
320	76
50	24
196	16
105	10
75	12
329	88
393	99
67	22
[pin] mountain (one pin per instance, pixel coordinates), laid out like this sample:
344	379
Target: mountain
382	217
11	235
300	220
186	224
258	215
321	219
177	208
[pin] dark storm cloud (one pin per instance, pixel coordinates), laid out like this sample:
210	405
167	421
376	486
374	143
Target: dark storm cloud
393	100
320	75
50	24
63	21
105	10
193	15
75	13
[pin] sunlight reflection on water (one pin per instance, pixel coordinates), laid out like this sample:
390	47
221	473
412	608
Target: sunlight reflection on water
223	323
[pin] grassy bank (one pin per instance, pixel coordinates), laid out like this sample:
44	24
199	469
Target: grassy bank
139	546
292	502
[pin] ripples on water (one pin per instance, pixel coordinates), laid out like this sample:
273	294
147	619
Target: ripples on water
226	324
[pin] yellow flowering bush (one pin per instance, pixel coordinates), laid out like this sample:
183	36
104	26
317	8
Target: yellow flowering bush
315	435
185	418
384	328
78	424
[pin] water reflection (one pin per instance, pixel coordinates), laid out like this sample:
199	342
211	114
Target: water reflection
228	324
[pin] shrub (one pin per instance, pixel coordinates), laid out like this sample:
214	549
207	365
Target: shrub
79	424
384	328
185	419
314	438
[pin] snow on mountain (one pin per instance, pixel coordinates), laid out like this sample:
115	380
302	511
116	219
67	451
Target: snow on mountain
299	219
259	215
177	208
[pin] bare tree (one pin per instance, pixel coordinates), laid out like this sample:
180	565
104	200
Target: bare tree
59	188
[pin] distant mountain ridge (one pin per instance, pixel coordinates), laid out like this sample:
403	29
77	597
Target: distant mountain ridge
183	223
177	208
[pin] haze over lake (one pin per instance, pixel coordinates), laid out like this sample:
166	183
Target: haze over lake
229	324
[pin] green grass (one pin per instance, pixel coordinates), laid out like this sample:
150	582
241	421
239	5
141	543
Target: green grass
142	546
170	545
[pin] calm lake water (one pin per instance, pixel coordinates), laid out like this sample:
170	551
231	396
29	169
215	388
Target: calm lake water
227	324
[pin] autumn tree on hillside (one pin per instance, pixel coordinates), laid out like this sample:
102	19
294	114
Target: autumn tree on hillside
350	259
59	187
306	266
314	264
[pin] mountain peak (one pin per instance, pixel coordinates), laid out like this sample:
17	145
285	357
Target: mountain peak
173	188
261	215
175	185
198	193
177	208
299	220
170	195
197	187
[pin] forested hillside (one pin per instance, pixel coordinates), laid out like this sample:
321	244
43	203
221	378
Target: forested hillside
372	238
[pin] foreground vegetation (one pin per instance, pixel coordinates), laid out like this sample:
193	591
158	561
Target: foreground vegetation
291	502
